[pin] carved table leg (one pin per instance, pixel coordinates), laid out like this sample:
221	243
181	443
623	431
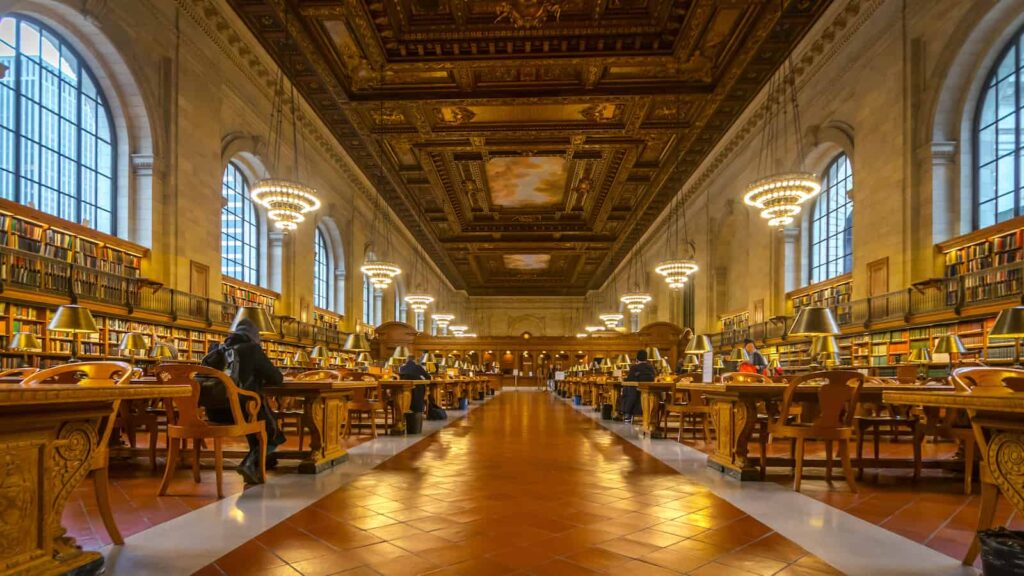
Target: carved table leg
734	421
649	402
322	416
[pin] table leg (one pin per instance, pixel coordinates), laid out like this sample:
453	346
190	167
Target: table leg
401	401
323	416
734	422
650	403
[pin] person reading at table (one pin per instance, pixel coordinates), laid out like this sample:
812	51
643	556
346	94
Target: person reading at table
757	360
242	357
642	371
413	371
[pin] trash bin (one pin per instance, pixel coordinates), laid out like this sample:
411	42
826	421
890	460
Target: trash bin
463	403
481	396
577	400
413	422
1002	552
606	411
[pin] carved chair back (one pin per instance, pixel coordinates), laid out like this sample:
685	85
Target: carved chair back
745	378
186	412
838	394
18	372
318	376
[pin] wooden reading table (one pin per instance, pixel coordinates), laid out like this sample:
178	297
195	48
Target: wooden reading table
48	435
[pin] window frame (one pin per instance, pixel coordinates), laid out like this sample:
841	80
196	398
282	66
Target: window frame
321	283
247	205
828	187
1017	78
19	137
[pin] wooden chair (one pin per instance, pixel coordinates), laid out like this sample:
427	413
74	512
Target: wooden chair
988	382
894	417
682	403
92	374
189	421
838	395
368	401
22	373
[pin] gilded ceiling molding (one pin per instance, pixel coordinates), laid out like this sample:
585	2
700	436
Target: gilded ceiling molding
811	59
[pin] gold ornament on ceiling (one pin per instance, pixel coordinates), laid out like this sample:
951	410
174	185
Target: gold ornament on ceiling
454	115
529	13
602	112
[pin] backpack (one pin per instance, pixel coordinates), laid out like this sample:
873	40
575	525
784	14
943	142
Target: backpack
212	394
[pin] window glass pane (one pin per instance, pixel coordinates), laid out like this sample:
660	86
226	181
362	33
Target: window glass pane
60	168
831	245
239	230
321	282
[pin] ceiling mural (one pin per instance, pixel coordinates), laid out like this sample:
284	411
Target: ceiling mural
528	127
526	181
527	261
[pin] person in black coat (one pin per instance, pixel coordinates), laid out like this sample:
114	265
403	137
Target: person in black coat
642	371
254	372
413	371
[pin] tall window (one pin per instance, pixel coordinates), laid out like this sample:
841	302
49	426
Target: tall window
832	223
56	136
400	306
371	303
321	266
239	229
998	141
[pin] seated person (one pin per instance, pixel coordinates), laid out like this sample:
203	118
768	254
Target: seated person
413	371
642	371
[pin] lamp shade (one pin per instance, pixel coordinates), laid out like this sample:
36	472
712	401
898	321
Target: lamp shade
690	362
301	357
1009	323
949	344
401	352
719	363
824	345
258	316
356	342
426	357
319	353
921	356
739	355
699	345
653	354
163	351
364	358
73	319
774	364
814	321
133	342
27	342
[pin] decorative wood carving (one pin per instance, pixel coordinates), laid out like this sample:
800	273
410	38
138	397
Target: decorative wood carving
1005	460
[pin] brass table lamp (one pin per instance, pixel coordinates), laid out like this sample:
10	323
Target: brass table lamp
301	358
319	355
699	345
1010	324
824	349
134	345
74	320
163	351
25	342
356	342
949	344
653	354
718	366
363	360
922	357
739	356
258	316
814	321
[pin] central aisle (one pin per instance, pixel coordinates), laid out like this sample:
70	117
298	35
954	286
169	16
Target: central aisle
523	485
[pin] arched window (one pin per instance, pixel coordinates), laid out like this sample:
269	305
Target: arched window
56	135
321	267
832	223
239	229
400	305
371	303
998	142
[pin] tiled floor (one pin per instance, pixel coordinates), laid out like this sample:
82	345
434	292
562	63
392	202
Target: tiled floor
133	493
523	486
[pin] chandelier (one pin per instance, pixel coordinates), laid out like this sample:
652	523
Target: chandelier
380	273
779	197
676	272
443	320
418	302
635	301
593	328
286	201
611	320
458	330
779	194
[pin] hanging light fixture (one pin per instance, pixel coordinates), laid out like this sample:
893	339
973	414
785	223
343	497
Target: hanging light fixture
379	271
679	261
636	298
458	330
287	201
781	192
419	302
611	320
443	320
593	328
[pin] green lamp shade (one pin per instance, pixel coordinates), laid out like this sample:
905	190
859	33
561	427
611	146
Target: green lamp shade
73	319
1009	323
814	321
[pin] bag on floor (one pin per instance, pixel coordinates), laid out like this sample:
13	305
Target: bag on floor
435	412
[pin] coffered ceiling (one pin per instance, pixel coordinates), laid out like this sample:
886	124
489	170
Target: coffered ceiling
528	144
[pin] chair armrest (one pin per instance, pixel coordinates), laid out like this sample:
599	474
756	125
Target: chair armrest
253	407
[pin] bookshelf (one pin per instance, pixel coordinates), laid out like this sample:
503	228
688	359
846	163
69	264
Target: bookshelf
982	259
834	294
238	293
736	325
